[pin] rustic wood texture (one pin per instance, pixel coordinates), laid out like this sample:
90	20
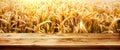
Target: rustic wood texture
60	41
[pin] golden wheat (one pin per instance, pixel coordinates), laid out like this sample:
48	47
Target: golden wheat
59	16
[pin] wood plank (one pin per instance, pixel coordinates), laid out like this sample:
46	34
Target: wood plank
60	41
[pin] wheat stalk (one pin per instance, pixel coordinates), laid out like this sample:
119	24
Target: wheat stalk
65	16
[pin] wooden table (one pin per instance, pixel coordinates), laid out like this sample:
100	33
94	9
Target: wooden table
64	41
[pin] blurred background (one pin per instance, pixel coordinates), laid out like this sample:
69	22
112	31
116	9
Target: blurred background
59	16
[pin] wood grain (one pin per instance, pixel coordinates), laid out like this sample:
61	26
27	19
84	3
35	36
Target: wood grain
60	41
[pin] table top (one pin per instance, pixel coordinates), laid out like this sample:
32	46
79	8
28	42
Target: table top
60	40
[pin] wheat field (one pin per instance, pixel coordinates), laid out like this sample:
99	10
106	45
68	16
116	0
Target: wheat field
59	16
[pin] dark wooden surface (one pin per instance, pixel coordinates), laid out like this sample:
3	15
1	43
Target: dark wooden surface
64	41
